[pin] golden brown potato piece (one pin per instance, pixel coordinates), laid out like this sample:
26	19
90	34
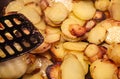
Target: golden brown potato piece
97	35
59	10
113	53
94	52
101	69
58	50
53	71
65	27
84	10
71	68
42	48
77	30
76	46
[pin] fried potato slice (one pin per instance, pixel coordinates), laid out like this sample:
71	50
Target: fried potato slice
113	53
113	9
84	10
113	35
77	46
53	71
58	50
29	12
59	10
71	68
82	59
97	35
53	33
36	7
102	4
101	69
66	25
14	6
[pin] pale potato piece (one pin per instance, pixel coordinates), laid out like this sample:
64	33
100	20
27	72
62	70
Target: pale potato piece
77	46
67	3
56	13
36	7
51	30
14	6
31	14
101	69
113	53
102	4
51	38
66	38
66	25
114	9
41	25
97	35
91	50
58	50
84	10
82	59
113	35
71	68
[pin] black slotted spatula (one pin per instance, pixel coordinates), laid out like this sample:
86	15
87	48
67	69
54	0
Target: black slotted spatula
17	36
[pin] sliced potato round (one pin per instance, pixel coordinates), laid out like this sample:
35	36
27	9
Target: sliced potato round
82	59
71	68
77	46
66	25
84	10
56	13
31	14
14	6
101	69
113	53
58	50
113	9
113	35
97	35
51	38
102	4
36	7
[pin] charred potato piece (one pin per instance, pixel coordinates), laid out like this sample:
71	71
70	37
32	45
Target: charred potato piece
53	71
58	50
